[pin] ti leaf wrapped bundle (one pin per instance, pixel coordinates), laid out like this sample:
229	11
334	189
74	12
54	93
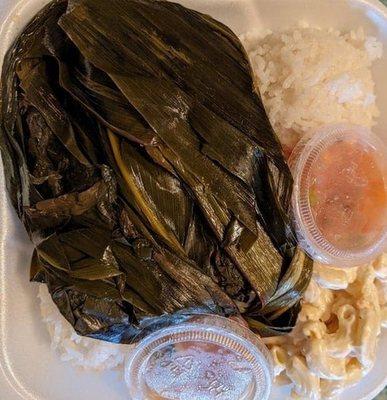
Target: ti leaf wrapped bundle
140	158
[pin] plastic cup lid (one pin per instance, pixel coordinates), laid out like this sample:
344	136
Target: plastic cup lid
340	195
206	358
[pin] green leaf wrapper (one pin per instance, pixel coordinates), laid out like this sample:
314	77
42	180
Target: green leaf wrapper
144	167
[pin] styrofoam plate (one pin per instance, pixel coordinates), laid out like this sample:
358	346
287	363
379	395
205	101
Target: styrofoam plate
30	369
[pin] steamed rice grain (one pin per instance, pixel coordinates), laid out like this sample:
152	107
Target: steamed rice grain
309	77
82	352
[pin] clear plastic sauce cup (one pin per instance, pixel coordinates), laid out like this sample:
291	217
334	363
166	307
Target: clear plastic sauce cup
340	195
207	358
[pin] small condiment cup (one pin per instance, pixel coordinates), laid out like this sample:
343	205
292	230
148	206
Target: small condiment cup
206	358
335	224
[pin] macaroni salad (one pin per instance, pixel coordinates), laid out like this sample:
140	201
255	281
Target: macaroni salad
334	342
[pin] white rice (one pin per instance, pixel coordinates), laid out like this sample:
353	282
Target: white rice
80	351
309	77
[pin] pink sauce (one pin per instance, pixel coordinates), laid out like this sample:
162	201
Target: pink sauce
348	195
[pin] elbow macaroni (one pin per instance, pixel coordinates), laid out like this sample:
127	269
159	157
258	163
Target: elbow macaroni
333	344
296	370
338	344
334	278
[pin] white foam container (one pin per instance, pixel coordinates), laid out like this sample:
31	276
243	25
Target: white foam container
30	370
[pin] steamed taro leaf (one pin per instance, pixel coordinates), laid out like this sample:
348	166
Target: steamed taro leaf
144	167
